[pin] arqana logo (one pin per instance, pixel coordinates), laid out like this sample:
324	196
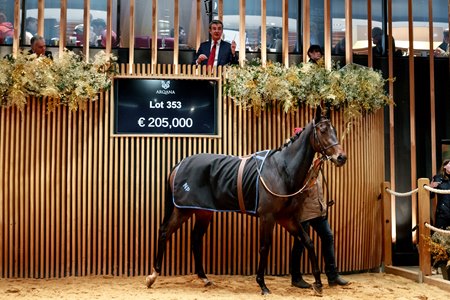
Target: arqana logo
165	84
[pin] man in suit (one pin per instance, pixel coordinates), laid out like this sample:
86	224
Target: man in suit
223	53
38	47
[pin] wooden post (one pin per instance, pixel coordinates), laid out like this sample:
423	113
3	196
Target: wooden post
387	225
424	217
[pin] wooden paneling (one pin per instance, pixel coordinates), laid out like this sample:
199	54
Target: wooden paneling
75	201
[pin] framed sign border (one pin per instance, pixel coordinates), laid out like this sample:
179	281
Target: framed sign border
218	103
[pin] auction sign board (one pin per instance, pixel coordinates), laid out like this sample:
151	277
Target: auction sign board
162	106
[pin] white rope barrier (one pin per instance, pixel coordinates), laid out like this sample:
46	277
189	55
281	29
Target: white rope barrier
437	191
427	187
401	194
437	229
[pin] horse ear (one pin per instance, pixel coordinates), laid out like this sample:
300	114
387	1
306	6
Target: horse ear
318	113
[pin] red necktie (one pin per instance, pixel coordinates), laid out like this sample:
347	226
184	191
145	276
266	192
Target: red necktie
212	55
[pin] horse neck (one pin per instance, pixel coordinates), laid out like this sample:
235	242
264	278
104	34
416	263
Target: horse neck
296	159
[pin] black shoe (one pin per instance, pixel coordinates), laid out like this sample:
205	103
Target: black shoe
338	281
300	283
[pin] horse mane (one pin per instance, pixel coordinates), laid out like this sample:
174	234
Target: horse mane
293	138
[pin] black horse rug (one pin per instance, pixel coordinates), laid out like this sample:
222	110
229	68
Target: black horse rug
209	181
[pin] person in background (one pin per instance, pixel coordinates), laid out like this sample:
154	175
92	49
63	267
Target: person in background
6	30
315	54
31	27
273	41
339	48
99	28
377	39
181	35
38	47
442	181
442	49
216	52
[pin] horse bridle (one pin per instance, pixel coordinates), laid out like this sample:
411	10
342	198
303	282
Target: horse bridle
315	138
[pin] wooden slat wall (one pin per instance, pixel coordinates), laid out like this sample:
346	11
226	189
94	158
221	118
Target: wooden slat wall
75	201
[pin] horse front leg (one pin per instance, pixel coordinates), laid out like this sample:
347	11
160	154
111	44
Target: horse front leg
317	285
202	220
266	232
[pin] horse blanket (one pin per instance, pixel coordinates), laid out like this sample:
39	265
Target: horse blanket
209	181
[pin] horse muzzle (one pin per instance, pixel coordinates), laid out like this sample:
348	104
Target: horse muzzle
339	159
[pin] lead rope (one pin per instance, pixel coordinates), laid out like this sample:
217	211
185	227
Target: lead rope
329	202
314	168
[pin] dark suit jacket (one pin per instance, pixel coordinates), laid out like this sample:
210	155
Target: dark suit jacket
225	57
47	53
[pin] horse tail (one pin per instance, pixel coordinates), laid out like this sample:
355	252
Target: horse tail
169	206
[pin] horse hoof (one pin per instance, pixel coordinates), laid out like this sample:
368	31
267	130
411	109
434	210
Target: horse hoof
317	287
150	280
207	282
265	291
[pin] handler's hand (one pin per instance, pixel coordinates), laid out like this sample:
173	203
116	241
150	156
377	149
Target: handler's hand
434	184
201	58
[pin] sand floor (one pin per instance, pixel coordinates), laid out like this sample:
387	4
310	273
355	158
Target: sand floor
363	286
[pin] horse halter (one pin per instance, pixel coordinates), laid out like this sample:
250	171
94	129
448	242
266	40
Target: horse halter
317	141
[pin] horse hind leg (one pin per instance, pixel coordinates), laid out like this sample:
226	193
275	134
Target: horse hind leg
202	220
317	285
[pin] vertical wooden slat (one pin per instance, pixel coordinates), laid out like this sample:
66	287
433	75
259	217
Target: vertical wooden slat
62	26
40	17
53	227
432	89
307	27
15	195
242	49
263	32
27	237
87	27
131	41
15	48
23	155
369	34
327	33
348	32
198	25
391	117
109	13
61	194
176	44
412	112
154	44
285	33
43	238
3	197
7	186
96	216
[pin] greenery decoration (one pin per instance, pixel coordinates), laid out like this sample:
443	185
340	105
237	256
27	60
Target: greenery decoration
439	245
354	88
68	80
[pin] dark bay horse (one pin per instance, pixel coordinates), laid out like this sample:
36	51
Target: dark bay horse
282	172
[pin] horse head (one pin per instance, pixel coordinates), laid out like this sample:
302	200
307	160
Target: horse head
324	139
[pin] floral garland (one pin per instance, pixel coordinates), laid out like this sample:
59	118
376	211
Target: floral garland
354	88
68	80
